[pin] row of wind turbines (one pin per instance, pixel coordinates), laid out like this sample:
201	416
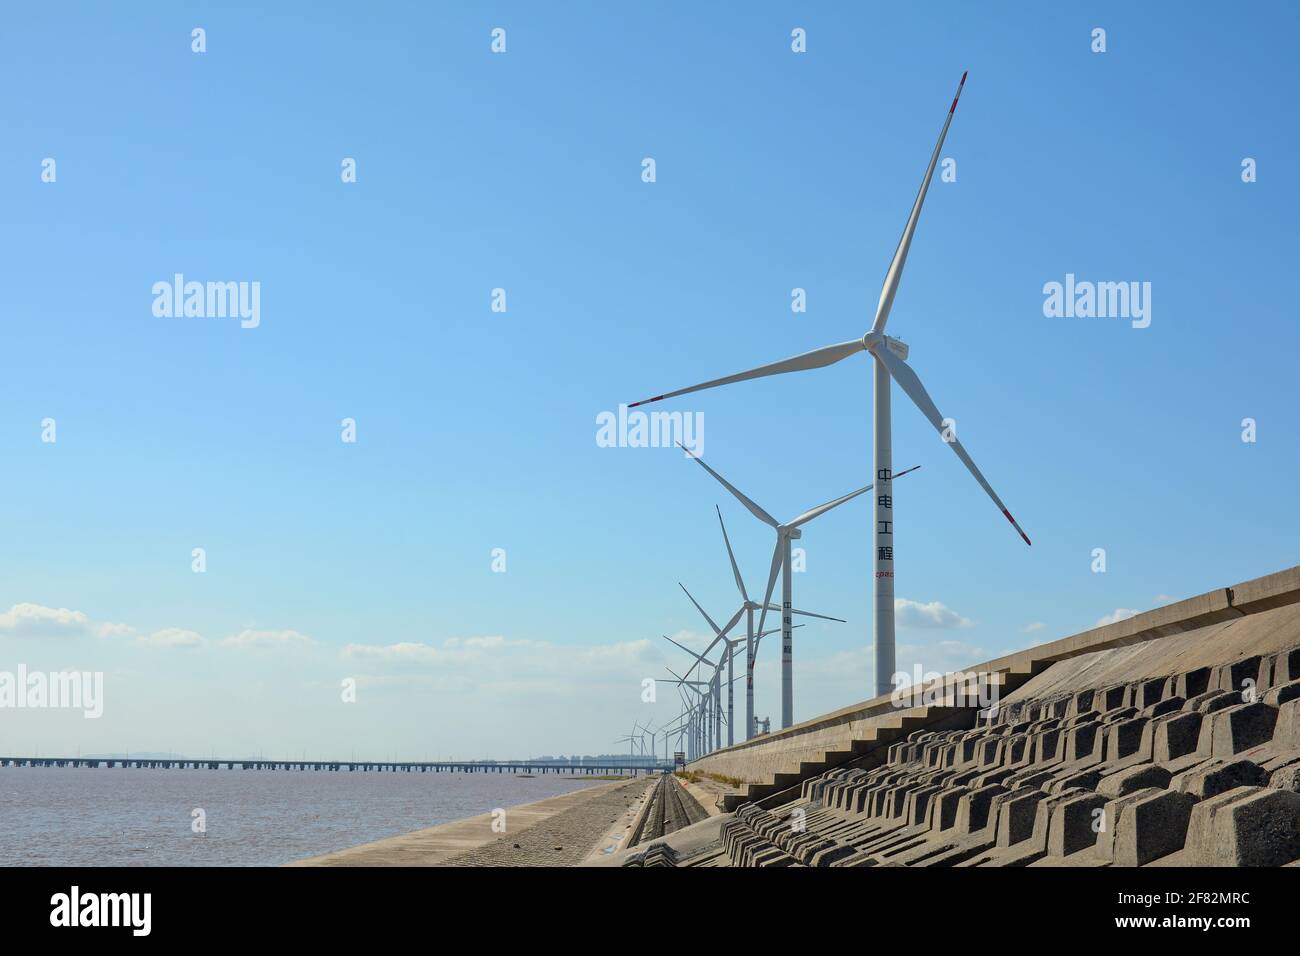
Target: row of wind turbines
701	720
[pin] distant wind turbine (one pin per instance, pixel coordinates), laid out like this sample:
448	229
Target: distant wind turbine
781	563
748	606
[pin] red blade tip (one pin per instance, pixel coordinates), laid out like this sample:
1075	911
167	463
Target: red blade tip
1017	527
952	109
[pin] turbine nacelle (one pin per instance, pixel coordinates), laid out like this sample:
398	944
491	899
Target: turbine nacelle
873	340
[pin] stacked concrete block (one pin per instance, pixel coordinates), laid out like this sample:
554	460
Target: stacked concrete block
1248	826
1198	767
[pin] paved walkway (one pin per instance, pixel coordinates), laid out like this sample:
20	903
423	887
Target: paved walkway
572	822
565	838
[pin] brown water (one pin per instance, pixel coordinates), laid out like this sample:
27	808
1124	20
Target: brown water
52	816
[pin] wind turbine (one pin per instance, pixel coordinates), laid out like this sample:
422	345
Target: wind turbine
701	708
646	730
713	683
890	363
785	533
680	728
727	658
629	740
748	606
690	711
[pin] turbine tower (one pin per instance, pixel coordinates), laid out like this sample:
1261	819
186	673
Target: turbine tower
889	363
749	642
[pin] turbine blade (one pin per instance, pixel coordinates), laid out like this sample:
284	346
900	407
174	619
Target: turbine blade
699	658
823	617
822	509
754	509
774	630
817	358
909	383
895	273
740	582
700	609
722	635
777	560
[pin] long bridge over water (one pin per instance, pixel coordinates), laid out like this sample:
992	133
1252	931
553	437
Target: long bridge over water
380	766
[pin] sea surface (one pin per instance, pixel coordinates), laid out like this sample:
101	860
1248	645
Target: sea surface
64	816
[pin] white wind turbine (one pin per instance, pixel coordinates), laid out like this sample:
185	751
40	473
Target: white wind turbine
692	723
700	721
785	533
677	730
751	640
648	730
889	361
713	683
684	724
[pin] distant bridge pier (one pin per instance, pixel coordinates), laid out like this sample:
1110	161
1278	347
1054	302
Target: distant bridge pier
391	766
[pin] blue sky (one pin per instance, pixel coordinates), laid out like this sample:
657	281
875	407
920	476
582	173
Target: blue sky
476	430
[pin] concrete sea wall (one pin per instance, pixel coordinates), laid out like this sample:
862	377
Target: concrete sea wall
776	762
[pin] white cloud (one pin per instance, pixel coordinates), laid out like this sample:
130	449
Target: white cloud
499	665
1033	628
33	620
640	651
171	637
933	615
491	643
405	652
114	630
248	638
1119	614
454	650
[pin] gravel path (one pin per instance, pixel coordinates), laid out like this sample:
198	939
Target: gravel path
564	839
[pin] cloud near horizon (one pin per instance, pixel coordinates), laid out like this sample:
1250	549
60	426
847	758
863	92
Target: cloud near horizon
498	665
1119	614
935	615
36	620
171	637
266	639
